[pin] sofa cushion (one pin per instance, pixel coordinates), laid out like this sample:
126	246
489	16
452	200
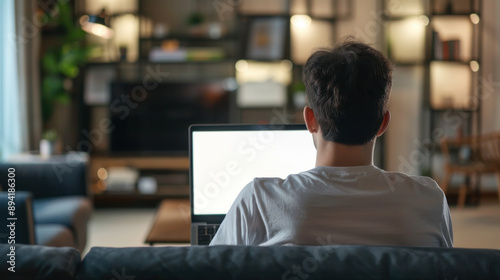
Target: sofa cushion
39	262
62	210
54	236
289	262
71	211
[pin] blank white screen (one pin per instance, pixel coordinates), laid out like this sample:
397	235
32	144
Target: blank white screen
226	161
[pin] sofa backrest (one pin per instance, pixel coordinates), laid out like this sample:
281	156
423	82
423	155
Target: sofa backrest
289	262
48	179
38	262
239	262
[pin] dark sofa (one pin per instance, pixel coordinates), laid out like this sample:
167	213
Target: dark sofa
240	262
51	201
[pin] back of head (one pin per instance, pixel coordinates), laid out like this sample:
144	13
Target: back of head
348	89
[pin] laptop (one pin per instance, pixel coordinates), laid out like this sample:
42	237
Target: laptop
225	158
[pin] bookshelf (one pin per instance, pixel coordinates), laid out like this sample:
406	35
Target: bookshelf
437	43
453	80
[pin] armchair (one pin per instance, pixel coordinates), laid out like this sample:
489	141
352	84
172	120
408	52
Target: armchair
52	195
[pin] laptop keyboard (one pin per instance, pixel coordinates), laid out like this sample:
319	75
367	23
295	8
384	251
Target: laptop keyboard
206	233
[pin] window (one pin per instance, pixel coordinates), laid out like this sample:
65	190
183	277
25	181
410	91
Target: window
10	115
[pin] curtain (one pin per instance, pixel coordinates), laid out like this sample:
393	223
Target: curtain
19	87
11	129
28	57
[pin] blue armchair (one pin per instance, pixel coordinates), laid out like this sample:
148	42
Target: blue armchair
51	199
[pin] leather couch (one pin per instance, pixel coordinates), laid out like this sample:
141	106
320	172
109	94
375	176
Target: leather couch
52	203
250	262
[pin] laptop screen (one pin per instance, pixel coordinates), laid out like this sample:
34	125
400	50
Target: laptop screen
225	160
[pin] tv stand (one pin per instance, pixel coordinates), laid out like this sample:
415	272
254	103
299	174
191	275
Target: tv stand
169	165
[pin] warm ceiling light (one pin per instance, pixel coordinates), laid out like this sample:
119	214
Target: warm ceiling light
96	24
102	174
286	65
424	19
474	18
241	65
301	20
474	66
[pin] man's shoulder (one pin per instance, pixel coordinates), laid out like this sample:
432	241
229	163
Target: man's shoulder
402	180
266	182
291	180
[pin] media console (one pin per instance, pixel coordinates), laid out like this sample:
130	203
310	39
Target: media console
173	180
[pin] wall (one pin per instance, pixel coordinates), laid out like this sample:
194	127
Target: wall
490	66
366	24
490	81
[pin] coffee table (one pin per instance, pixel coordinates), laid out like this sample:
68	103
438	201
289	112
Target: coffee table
172	223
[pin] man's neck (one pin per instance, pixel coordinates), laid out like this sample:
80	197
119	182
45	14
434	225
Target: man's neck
335	154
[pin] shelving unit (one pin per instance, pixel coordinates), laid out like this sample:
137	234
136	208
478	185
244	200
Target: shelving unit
449	69
453	79
236	24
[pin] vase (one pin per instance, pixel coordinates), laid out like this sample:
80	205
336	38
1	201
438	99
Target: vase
46	148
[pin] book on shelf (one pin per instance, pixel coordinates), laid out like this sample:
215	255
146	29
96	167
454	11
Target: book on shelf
159	54
451	50
448	50
437	46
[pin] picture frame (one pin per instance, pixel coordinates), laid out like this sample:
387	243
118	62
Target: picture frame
267	38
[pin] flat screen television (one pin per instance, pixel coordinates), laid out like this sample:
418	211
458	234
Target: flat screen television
156	120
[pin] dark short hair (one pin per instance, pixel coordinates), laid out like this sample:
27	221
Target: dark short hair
348	89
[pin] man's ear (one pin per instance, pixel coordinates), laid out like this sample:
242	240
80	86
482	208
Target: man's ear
384	124
310	120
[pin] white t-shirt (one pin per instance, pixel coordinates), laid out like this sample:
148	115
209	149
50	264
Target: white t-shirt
339	205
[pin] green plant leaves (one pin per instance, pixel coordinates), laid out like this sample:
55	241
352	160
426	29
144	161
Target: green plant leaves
52	86
50	62
62	62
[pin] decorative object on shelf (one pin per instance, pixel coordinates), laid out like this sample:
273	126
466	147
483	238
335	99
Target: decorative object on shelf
47	143
160	30
123	53
266	39
126	34
121	179
147	185
195	23
215	30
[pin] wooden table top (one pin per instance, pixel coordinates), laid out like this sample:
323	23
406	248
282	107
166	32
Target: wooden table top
172	222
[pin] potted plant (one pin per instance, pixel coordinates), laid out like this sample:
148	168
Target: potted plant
61	62
195	23
47	143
